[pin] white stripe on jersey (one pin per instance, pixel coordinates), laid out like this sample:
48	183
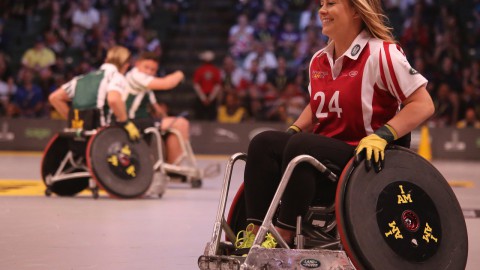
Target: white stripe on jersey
387	72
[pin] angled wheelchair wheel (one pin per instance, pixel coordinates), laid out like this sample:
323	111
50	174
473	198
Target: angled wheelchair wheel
404	217
122	167
53	155
237	216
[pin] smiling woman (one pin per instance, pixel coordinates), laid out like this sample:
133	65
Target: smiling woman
358	83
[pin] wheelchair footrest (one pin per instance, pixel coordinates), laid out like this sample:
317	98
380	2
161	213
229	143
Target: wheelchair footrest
220	262
279	258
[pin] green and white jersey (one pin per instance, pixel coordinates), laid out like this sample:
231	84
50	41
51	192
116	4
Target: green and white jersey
89	91
139	96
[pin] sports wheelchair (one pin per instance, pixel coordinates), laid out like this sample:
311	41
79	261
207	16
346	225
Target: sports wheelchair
404	217
91	155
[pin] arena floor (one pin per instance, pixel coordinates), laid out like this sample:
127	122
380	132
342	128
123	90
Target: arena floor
169	233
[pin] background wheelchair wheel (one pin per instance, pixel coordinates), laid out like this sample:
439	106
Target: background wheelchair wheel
237	216
122	167
405	217
53	155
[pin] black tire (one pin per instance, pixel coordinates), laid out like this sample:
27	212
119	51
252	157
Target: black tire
53	155
366	209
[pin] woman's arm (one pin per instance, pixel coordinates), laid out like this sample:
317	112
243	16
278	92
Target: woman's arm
168	82
59	100
418	107
304	121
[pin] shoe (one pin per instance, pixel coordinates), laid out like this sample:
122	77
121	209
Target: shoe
246	241
270	241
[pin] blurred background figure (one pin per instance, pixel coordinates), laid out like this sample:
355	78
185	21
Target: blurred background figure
207	84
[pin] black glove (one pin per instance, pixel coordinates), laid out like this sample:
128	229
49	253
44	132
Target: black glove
375	144
293	129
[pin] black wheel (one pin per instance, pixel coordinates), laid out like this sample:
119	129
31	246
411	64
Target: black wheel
404	217
122	167
48	192
95	192
53	155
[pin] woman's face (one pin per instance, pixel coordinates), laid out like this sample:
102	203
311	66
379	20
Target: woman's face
337	16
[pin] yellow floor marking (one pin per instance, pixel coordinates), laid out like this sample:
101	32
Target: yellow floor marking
461	183
11	187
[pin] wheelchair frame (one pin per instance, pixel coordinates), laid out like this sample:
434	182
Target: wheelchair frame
193	174
275	258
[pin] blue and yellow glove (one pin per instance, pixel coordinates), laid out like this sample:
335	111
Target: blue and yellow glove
375	144
131	130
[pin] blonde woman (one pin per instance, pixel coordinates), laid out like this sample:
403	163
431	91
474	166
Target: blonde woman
358	83
96	90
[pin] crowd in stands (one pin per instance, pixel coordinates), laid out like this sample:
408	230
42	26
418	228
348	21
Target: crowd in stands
44	43
273	40
264	76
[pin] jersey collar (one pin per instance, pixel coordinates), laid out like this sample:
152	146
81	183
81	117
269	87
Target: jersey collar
108	66
355	48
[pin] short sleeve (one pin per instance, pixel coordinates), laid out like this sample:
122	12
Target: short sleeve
69	87
138	81
117	83
396	74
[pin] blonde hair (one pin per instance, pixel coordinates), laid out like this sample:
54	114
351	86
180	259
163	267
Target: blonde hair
374	19
118	56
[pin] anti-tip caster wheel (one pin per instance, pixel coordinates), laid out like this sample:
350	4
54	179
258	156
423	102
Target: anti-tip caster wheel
95	194
196	183
48	192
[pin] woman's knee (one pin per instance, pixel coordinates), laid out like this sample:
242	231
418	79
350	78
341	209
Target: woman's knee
263	140
297	145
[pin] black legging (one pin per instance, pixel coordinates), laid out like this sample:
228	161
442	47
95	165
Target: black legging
268	156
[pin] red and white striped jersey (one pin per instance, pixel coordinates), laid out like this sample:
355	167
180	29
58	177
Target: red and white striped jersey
361	90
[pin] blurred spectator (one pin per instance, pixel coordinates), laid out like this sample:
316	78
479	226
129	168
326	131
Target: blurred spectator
287	40
445	107
38	57
266	59
470	120
262	32
28	99
251	86
280	77
3	36
7	89
240	38
85	16
132	17
310	43
231	111
309	17
207	85
294	98
274	15
231	75
448	74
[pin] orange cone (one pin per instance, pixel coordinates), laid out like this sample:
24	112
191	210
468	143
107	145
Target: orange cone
424	147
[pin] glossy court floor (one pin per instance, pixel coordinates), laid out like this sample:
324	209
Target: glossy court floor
37	232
